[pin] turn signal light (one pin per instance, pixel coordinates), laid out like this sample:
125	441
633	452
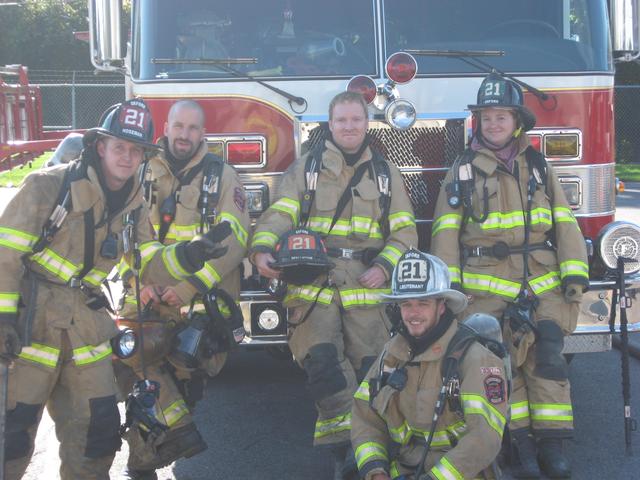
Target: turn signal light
243	153
561	145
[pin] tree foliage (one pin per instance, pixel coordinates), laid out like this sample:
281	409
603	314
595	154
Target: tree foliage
39	34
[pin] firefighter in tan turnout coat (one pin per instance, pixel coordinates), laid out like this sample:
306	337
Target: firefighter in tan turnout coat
395	404
337	327
175	190
60	235
504	228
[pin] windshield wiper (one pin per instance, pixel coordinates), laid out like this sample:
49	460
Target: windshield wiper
471	57
223	64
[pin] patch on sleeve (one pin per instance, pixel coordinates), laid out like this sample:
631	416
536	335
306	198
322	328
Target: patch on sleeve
491	371
239	198
494	389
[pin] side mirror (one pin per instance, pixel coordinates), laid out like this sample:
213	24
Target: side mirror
105	34
625	29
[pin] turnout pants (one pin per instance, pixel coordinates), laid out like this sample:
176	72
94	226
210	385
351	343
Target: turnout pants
540	399
336	347
81	400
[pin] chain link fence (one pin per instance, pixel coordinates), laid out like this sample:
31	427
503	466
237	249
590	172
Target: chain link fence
627	106
75	99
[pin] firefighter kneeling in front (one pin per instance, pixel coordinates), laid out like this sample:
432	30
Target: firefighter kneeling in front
434	403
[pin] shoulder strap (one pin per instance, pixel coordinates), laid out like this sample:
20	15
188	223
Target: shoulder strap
537	163
382	174
74	171
210	190
311	171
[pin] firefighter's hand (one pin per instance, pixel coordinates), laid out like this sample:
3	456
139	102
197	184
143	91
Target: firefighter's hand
206	247
263	261
373	277
150	293
170	297
573	293
10	345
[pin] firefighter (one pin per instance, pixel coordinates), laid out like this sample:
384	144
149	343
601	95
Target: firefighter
65	228
397	400
512	243
177	181
344	190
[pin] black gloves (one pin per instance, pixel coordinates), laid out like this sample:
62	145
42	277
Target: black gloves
206	247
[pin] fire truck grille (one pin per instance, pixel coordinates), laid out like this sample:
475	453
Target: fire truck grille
423	154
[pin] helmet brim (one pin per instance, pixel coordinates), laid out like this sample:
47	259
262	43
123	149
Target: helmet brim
90	136
528	118
456	301
297	263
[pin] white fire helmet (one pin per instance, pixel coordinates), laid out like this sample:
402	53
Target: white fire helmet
420	275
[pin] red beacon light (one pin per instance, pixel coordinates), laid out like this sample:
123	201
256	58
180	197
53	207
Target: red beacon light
401	67
364	85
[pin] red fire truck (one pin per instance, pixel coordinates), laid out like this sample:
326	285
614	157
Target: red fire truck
266	71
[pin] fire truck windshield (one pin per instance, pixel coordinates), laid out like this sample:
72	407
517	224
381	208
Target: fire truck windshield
340	39
332	38
540	36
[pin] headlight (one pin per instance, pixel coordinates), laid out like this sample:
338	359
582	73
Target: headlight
400	114
620	239
125	344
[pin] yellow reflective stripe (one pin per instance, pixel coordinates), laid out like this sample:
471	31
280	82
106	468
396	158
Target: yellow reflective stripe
55	264
394	471
175	412
444	470
180	233
478	405
362	296
504	220
9	302
519	410
455	274
289	206
544	283
445	222
563	214
488	283
267	239
344	227
541	215
333	425
148	251
557	412
401	220
17	239
95	277
91	353
42	354
401	434
458	429
363	391
370	451
208	276
238	230
574	268
309	293
391	254
171	263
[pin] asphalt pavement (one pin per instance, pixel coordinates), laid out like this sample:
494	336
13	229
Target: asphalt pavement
257	417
